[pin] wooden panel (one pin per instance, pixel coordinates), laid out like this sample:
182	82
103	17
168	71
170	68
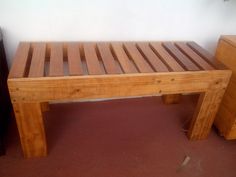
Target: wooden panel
123	59
109	86
194	56
31	129
138	59
38	60
56	60
20	61
226	54
153	59
229	102
166	57
107	58
206	55
225	121
74	60
185	62
91	58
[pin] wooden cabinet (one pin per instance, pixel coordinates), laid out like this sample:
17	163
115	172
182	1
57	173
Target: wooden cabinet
226	117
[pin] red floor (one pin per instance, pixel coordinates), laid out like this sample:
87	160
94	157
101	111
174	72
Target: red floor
122	138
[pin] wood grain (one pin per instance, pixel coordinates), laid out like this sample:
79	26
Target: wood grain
108	86
38	60
91	58
56	67
205	113
138	59
74	59
153	59
195	57
148	69
31	129
169	60
126	64
108	59
206	55
185	62
226	117
18	67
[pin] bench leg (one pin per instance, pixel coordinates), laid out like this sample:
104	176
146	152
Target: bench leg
31	129
204	115
171	99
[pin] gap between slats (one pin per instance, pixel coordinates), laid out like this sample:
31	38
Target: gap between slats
206	55
138	59
154	61
197	59
166	58
137	52
126	64
106	56
69	68
28	62
182	59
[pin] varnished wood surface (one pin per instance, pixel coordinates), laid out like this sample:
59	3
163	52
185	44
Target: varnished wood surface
226	117
91	70
109	58
56	67
30	125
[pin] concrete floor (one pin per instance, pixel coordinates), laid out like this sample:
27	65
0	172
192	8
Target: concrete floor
138	137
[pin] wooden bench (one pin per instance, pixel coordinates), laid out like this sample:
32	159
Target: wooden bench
44	72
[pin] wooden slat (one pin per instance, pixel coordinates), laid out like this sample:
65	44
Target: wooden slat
194	56
123	59
107	58
91	58
153	59
138	59
38	60
185	61
206	55
20	61
74	60
166	57
56	60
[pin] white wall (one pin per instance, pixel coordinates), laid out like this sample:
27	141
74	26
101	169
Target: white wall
200	20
